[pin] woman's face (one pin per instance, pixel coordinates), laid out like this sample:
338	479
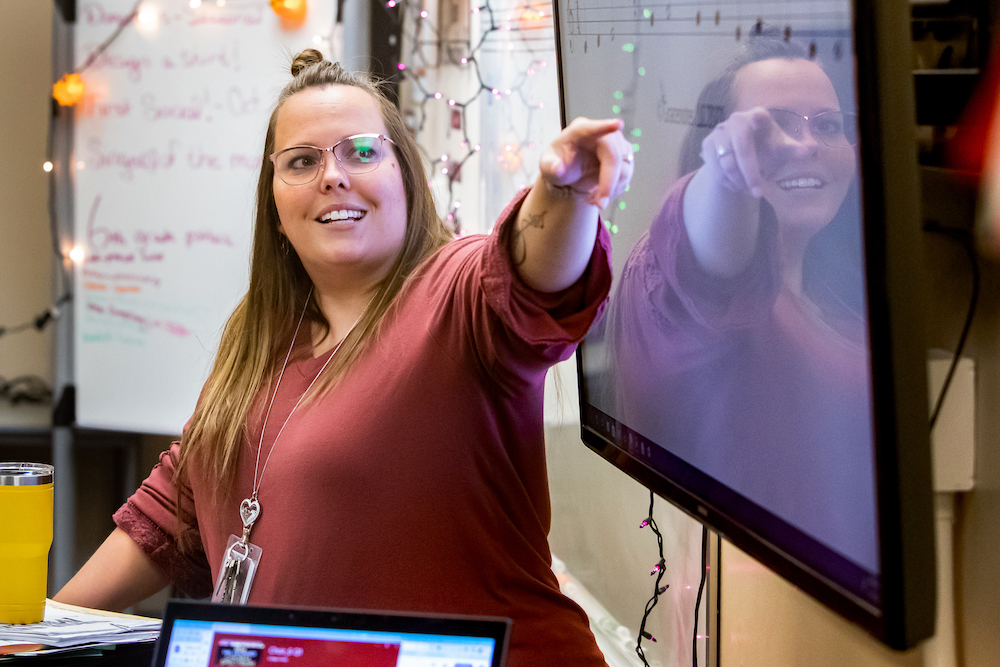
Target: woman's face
346	228
806	180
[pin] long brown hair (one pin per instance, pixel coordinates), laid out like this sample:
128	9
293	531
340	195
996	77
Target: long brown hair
259	331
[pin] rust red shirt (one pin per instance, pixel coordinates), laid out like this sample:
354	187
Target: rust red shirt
419	482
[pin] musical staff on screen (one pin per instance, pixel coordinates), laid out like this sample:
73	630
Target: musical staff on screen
617	19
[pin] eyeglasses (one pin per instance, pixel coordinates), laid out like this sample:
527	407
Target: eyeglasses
357	154
833	128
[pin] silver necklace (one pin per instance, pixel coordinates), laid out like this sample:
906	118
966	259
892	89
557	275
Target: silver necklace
241	557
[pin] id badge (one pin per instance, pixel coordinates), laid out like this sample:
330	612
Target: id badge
239	565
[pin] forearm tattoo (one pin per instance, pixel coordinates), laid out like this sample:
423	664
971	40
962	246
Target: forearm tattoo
518	250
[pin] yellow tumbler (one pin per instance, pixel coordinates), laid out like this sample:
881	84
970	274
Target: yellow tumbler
25	538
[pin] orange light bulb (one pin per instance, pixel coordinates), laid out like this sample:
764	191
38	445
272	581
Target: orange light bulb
293	11
68	90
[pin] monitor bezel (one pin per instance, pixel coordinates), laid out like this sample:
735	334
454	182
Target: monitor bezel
890	193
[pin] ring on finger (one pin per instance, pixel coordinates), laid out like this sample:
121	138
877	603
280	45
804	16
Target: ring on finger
722	151
628	158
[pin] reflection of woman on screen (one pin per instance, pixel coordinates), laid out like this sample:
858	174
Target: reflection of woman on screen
737	334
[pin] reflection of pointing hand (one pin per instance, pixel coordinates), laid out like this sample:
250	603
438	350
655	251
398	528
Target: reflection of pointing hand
731	150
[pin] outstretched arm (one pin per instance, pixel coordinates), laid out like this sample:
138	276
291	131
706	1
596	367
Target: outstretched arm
721	210
587	165
117	576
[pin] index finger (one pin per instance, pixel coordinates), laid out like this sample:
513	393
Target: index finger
610	170
587	131
745	153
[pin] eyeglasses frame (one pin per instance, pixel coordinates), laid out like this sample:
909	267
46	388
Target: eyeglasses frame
808	123
323	151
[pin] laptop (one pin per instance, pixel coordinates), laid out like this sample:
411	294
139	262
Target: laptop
200	634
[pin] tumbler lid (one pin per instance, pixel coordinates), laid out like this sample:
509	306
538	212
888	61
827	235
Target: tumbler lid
25	474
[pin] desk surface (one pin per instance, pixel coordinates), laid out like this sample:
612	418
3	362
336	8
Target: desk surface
124	655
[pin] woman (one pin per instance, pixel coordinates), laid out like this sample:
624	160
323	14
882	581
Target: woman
737	335
371	433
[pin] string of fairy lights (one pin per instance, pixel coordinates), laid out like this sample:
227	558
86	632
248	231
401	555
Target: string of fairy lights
523	22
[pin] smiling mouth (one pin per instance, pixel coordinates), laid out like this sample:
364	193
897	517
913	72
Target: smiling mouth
801	184
341	215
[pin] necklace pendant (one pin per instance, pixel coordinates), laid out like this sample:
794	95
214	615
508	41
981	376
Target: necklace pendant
249	511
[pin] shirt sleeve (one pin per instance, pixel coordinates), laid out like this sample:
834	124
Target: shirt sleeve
150	518
550	324
481	314
663	267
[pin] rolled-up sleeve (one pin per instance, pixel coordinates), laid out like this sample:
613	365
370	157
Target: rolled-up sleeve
150	518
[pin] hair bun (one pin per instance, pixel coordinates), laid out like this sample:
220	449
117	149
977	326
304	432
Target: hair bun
305	59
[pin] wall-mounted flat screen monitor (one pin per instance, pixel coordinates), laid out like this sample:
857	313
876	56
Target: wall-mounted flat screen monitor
759	362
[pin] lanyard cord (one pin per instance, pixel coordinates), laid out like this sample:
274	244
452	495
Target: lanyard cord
260	444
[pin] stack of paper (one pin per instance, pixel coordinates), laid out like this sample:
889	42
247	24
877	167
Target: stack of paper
66	626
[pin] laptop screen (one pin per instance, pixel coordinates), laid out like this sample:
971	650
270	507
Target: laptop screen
203	635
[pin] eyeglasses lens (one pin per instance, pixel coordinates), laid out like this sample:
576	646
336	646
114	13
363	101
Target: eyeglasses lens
833	128
359	154
299	165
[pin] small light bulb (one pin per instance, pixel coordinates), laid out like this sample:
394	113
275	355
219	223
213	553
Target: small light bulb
76	254
438	96
401	66
464	60
47	167
507	148
476	147
444	158
80	164
391	4
195	4
458	204
541	105
494	91
423	14
317	39
444	170
147	16
451	103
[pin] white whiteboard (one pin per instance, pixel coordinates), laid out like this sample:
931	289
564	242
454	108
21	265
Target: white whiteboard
167	149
